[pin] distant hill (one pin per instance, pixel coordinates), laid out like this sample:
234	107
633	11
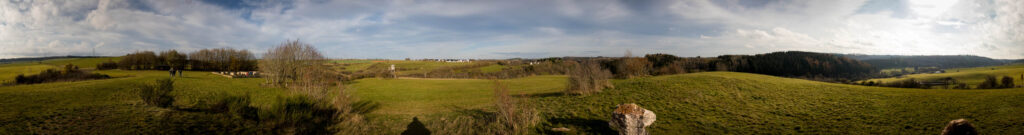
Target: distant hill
940	61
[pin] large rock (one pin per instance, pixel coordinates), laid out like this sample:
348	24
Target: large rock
631	119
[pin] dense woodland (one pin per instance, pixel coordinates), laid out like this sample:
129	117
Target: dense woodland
224	59
943	62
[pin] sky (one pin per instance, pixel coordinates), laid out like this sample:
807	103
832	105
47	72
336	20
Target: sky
494	29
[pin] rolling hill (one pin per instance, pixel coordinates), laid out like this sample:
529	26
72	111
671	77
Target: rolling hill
695	103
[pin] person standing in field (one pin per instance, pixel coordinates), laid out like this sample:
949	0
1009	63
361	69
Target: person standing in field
180	73
172	72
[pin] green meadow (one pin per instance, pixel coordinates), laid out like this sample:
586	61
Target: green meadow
971	76
695	103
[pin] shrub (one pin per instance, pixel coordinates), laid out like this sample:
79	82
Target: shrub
989	83
300	115
962	86
629	67
588	77
69	73
512	117
158	93
515	116
106	65
237	106
1007	82
908	83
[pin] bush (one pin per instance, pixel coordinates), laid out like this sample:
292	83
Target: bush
69	73
908	83
989	83
157	94
512	117
588	77
516	116
629	67
300	115
1007	82
106	65
236	106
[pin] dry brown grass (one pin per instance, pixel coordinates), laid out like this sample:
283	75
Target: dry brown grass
588	77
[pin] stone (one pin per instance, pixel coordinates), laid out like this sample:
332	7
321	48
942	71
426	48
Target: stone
631	119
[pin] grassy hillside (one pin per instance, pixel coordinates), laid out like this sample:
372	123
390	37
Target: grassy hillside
741	103
697	103
109	106
971	76
9	71
405	67
432	99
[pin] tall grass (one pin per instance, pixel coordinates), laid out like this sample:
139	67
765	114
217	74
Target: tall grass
511	117
158	93
588	77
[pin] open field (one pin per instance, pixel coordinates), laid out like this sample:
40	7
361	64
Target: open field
741	103
9	71
432	99
109	106
696	103
405	67
971	76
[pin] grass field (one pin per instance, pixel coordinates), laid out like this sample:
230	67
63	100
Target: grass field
109	106
696	103
741	103
432	99
406	66
9	71
971	76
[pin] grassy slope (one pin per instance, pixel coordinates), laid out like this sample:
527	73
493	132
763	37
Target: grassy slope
9	71
727	102
413	67
712	102
430	99
109	106
971	76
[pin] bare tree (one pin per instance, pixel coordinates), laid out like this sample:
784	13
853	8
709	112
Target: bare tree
298	66
588	77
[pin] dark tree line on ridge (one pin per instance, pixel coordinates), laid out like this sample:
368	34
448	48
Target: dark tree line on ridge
223	59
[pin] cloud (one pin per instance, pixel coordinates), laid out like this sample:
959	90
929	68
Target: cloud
526	28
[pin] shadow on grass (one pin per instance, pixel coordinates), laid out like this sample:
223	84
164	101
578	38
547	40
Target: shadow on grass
580	125
539	95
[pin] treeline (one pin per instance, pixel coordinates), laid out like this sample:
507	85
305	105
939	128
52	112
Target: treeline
69	73
991	82
799	64
223	59
939	61
817	66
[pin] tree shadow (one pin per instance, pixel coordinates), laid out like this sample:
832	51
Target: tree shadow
588	126
539	95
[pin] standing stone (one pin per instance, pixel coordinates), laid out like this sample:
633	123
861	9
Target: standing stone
630	119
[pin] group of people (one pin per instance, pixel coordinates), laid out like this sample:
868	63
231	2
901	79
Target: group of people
173	71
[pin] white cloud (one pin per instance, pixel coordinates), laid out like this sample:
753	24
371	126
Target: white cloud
527	28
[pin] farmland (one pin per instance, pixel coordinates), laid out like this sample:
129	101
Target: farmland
706	103
971	76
